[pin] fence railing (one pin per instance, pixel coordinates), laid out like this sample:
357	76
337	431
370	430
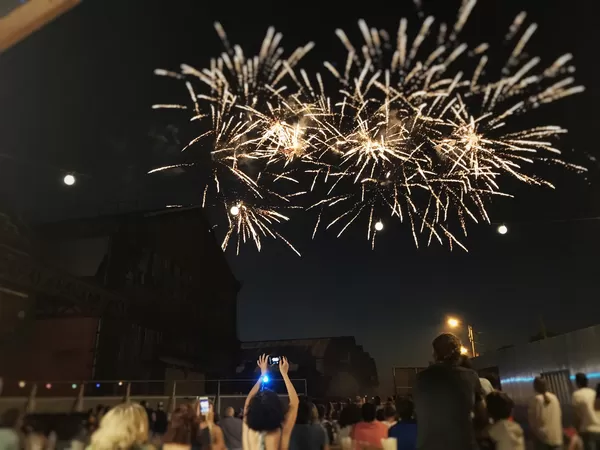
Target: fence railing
79	396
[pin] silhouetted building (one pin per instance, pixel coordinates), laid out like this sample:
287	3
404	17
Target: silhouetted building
332	367
134	296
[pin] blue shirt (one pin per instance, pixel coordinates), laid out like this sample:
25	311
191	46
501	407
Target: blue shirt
406	435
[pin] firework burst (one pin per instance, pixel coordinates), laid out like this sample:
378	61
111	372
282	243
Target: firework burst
421	140
413	130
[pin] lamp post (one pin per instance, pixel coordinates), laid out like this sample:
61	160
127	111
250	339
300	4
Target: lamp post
453	322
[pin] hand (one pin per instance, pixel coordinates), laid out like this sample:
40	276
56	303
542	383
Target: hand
284	366
263	364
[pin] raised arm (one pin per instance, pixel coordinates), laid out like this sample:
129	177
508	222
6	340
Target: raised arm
290	417
262	364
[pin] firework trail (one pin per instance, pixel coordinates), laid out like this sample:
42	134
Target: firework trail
418	130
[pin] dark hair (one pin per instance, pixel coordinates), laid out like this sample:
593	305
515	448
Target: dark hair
499	405
446	348
405	408
321	410
350	415
179	429
369	412
389	411
581	380
540	386
10	418
377	400
265	412
305	408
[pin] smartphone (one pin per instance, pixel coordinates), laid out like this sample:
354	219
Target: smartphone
274	360
204	405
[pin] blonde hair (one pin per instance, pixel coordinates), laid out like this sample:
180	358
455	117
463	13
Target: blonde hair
123	427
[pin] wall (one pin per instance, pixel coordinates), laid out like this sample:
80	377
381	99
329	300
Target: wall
51	350
578	351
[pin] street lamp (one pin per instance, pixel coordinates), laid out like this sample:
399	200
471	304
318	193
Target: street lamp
453	322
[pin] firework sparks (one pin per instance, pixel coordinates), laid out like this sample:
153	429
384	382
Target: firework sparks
419	130
425	142
252	223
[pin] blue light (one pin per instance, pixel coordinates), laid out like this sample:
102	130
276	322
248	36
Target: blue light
97	385
265	379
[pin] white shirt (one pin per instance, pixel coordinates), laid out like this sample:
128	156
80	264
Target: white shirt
507	435
546	419
9	439
583	402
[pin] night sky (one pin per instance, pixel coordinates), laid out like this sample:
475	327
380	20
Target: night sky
76	97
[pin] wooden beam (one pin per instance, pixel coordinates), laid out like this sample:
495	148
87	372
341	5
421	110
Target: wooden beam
30	17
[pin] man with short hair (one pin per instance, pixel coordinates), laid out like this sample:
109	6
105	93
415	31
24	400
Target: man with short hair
583	403
232	429
369	432
447	397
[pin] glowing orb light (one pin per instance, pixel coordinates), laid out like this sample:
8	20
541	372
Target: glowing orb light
22	384
235	210
69	180
379	226
502	229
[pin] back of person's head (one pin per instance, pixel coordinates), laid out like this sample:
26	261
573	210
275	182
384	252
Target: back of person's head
179	429
446	348
581	380
377	400
405	408
369	412
305	412
229	411
350	415
321	412
265	412
541	387
11	418
123	427
389	412
499	405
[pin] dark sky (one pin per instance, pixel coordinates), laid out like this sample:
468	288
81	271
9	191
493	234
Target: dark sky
76	96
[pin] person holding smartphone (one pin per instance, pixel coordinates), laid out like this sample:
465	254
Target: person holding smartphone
266	426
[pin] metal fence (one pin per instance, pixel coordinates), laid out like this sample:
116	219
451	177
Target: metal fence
65	396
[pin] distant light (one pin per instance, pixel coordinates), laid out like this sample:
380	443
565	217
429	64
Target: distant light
48	386
97	385
265	379
73	386
22	384
463	350
452	322
378	226
120	383
235	210
502	229
69	180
